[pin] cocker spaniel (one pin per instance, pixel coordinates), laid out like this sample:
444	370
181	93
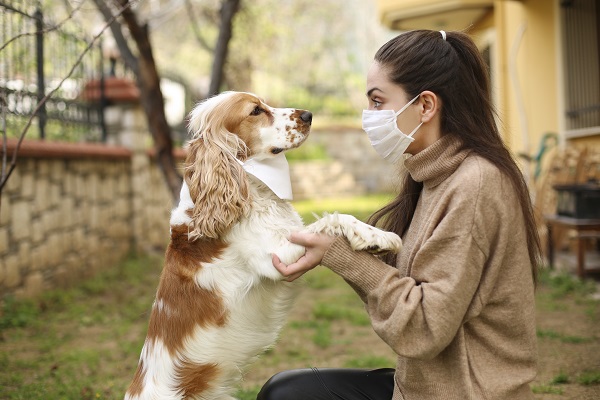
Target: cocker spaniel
220	302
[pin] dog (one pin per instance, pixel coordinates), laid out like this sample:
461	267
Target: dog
220	302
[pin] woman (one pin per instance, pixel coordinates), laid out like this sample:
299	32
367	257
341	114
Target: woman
457	303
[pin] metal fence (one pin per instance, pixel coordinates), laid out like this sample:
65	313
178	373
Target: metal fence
38	56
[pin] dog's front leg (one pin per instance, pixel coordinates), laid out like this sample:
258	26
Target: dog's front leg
288	252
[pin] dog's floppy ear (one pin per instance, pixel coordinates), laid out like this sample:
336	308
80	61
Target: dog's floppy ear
217	182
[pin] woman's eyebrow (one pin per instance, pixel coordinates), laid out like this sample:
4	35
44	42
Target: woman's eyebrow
371	91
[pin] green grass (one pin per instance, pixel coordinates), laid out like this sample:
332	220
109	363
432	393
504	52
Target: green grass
589	378
361	207
547	389
550	334
370	362
563	284
46	352
560	379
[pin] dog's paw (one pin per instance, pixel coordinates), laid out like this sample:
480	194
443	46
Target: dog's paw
360	235
374	240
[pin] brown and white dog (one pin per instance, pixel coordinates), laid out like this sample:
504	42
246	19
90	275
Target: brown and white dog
220	302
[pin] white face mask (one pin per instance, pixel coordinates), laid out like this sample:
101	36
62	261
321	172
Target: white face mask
383	132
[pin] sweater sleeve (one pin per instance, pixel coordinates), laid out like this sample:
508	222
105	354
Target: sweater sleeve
416	319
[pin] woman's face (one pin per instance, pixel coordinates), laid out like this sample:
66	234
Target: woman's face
383	94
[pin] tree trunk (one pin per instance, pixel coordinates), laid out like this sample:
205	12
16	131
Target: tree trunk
228	10
153	103
151	97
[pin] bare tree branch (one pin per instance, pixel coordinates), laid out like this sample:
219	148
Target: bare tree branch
115	28
3	172
192	15
228	10
49	29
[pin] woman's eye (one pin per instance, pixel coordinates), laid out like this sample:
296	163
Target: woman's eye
376	103
257	110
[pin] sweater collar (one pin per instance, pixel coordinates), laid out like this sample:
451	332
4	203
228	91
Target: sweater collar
437	162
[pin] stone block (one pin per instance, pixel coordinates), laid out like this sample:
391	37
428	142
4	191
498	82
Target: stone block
43	168
124	184
4	241
39	257
13	185
55	249
67	213
80	187
78	239
139	165
12	272
27	185
47	220
93	186
107	193
34	284
69	183
57	171
5	210
25	255
21	220
42	195
54	194
38	231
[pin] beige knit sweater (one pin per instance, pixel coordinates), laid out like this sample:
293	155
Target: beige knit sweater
459	308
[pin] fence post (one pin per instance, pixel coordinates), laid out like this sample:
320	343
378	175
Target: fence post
41	89
103	99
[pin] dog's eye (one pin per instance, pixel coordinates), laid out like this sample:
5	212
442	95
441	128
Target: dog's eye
257	110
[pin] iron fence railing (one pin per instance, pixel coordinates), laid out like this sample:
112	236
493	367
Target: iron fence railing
39	56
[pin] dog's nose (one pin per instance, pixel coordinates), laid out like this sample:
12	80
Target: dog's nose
306	116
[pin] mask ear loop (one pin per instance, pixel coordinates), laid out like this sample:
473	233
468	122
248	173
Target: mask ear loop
414	130
403	108
408	104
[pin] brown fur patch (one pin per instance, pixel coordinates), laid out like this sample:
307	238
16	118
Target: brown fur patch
137	384
195	378
184	305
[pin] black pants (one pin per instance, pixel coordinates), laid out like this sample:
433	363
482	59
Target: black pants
329	384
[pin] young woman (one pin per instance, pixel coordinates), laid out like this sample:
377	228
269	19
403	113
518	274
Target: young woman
457	304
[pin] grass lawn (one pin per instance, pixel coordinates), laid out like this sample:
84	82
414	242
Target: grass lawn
84	343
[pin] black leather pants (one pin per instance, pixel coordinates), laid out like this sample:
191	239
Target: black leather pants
329	384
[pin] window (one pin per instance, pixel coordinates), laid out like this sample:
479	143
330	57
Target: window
581	47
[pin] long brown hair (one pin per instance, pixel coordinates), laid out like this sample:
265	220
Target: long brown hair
455	71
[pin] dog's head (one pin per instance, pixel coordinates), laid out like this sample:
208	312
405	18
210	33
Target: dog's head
226	128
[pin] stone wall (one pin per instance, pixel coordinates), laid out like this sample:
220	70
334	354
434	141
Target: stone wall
69	210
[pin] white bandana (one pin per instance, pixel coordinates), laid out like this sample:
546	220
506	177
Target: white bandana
273	172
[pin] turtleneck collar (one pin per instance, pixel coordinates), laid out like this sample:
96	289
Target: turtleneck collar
437	162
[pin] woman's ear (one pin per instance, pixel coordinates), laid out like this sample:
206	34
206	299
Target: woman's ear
218	184
430	105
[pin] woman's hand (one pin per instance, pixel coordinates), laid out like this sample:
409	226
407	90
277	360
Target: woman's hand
316	244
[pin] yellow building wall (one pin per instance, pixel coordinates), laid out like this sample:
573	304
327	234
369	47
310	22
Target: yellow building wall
528	74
